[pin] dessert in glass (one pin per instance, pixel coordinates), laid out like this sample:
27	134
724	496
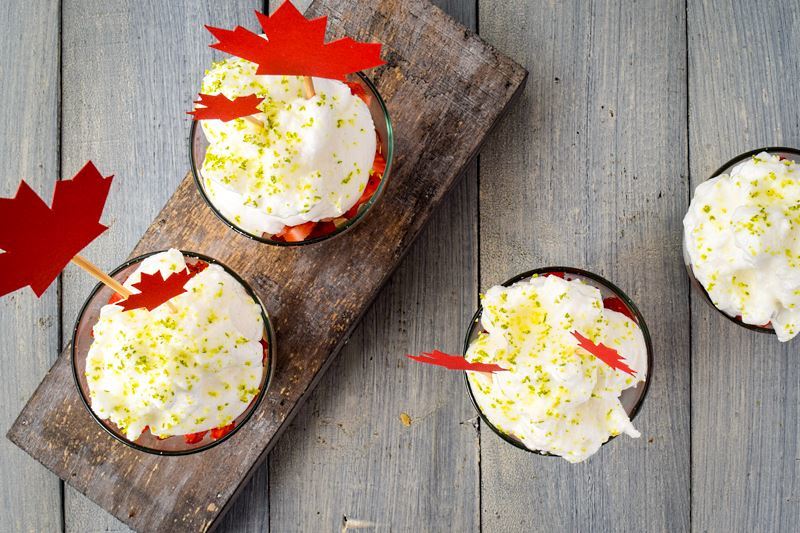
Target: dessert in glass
741	240
184	376
556	398
305	169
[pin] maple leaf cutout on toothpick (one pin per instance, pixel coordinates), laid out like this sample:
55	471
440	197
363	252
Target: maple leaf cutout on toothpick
295	46
154	290
454	362
39	240
217	106
609	356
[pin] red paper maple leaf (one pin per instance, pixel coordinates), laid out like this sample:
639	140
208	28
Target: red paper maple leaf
217	106
454	362
295	46
154	290
38	241
609	356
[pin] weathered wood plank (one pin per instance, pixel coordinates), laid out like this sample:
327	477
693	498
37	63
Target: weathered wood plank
347	460
743	94
130	72
590	171
30	498
445	90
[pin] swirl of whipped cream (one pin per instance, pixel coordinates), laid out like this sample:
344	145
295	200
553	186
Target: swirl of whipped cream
183	372
555	397
742	237
310	161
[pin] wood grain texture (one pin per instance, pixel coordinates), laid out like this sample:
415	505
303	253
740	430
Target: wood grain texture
445	90
30	498
347	461
590	171
743	94
130	72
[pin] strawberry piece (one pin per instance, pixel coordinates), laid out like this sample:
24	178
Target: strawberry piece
353	211
265	351
197	267
369	190
194	438
358	90
767	325
615	304
375	176
323	228
296	233
218	433
379	164
146	429
556	274
115	298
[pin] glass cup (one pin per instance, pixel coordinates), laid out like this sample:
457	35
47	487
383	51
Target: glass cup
82	339
631	398
383	126
788	153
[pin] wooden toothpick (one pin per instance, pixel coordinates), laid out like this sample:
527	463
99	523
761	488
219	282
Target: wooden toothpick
308	85
101	276
254	121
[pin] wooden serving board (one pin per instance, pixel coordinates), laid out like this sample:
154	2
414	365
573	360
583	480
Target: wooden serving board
445	90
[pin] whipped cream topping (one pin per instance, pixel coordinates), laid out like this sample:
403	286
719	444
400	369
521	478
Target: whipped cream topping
556	397
742	237
310	161
183	372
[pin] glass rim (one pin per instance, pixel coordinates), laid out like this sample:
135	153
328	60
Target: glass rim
602	281
269	368
724	169
366	206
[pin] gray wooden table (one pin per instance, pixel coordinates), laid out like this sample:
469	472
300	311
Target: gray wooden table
628	106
